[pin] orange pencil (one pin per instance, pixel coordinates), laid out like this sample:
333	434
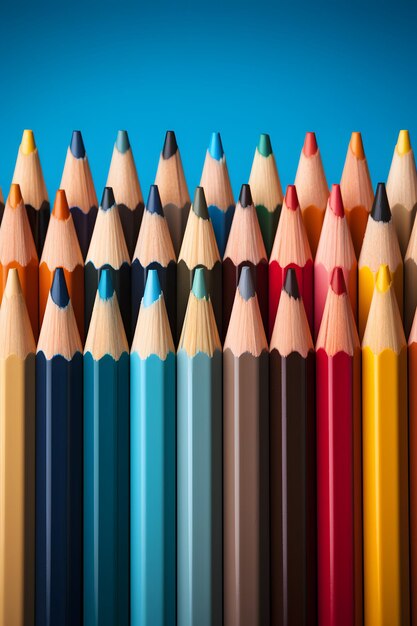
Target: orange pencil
62	249
17	249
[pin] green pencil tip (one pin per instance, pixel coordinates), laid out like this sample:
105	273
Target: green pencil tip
199	284
264	145
152	288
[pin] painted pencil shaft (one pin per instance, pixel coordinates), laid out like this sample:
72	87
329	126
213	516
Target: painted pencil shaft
168	280
153	486
59	444
231	275
213	279
131	220
199	488
121	281
412	407
28	277
106	490
292	488
84	225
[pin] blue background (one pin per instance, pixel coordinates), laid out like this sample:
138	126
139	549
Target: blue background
241	68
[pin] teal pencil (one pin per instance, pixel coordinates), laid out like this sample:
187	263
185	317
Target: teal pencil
106	463
199	463
152	464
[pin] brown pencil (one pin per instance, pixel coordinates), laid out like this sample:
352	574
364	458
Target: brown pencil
412	413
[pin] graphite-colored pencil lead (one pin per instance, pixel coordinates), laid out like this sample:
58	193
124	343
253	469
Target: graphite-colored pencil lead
107	201
154	204
170	145
77	145
216	147
381	211
199	204
291	284
245	197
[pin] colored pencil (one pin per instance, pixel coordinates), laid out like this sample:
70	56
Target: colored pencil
123	178
339	451
77	183
412	412
173	189
357	192
402	189
1	205
17	458
17	249
154	250
199	453
28	174
59	462
108	249
246	462
219	195
199	249
266	190
291	249
152	464
312	189
245	247
62	249
385	460
293	463
106	463
380	246
335	249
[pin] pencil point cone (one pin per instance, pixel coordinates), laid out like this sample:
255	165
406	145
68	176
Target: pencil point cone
170	145
381	211
264	145
310	145
122	141
59	291
336	202
383	279
291	198
61	209
291	284
199	284
105	285
216	147
200	204
154	204
28	144
107	200
15	195
337	281
245	198
77	145
246	287
356	145
13	286
403	142
152	288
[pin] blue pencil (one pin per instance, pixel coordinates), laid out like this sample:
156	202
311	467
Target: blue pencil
152	465
59	445
106	463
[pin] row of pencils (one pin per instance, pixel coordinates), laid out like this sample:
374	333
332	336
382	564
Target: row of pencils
174	448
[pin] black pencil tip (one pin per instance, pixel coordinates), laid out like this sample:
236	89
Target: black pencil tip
291	284
245	198
77	145
154	204
200	204
59	291
107	201
381	211
246	286
170	145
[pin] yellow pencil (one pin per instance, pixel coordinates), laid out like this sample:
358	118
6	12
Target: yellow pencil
385	460
17	458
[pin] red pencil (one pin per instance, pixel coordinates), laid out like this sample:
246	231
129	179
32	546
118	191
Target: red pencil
290	249
339	510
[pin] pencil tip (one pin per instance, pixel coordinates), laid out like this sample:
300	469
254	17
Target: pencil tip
77	145
336	202
264	145
291	284
61	208
383	279
245	198
403	142
122	141
216	147
246	286
337	281
28	144
152	288
59	291
107	201
154	204
199	284
310	144
291	198
381	211
105	285
13	287
356	145
15	195
200	204
170	145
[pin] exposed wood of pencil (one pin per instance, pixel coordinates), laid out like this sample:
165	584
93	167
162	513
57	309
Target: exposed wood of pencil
199	332
59	333
154	243
153	334
216	182
291	330
245	243
264	182
246	333
16	336
28	174
77	183
338	328
106	334
410	281
199	245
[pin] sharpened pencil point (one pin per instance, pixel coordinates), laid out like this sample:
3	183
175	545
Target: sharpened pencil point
107	201
170	145
246	286
383	279
291	198
59	291
122	141
200	204
245	198
336	202
105	285
61	209
356	145
337	281
28	144
15	195
310	144
381	211
199	284
152	288
13	287
154	204
216	147
77	145
403	142
264	145
291	284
